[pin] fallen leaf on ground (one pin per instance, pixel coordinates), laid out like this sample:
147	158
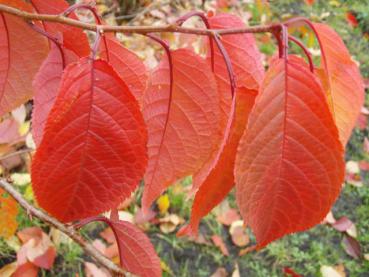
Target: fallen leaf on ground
329	271
163	203
170	222
238	234
342	224
220	272
218	241
8	270
228	217
20	179
141	218
8	215
236	271
37	248
351	246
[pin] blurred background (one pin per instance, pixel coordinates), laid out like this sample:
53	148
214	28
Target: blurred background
338	247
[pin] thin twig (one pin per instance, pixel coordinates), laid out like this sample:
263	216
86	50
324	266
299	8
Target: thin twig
19	152
134	29
68	230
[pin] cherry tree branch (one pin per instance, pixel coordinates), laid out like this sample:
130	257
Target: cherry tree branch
68	230
175	28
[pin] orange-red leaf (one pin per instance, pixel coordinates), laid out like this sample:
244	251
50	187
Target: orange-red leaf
46	87
127	64
342	81
220	180
74	38
93	152
180	147
248	69
289	164
21	54
245	58
8	215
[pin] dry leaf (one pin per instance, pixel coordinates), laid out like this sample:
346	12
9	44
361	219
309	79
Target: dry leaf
228	217
220	272
238	234
218	241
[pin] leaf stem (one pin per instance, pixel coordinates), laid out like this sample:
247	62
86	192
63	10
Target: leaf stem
204	19
306	51
55	40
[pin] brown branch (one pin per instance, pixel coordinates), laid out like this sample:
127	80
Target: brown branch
173	28
68	230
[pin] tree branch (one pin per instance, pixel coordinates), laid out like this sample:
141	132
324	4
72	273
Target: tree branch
173	28
68	230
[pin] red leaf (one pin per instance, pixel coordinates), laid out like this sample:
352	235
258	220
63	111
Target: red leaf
216	179
46	86
341	80
351	19
289	165
245	58
27	269
18	42
192	129
128	65
93	152
248	70
74	38
220	179
137	254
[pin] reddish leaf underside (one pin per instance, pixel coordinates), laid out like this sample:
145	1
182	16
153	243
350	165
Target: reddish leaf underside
220	180
192	129
136	252
248	69
8	215
46	87
289	165
127	64
18	42
245	58
342	81
74	38
93	152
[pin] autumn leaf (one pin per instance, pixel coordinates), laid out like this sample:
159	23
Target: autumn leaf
289	165
93	152
137	254
179	147
249	72
342	81
36	249
46	87
8	215
17	68
127	64
218	241
74	39
220	179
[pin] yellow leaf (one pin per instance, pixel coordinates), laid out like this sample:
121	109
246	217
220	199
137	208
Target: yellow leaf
163	203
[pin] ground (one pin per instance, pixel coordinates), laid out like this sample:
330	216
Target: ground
304	253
